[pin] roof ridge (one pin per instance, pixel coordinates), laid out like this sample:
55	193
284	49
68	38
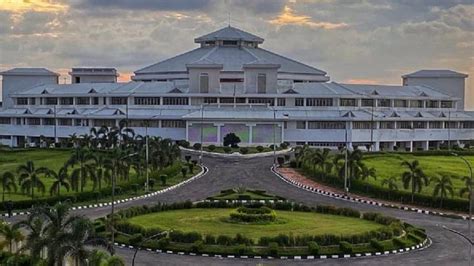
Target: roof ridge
292	60
169	59
252	54
205	57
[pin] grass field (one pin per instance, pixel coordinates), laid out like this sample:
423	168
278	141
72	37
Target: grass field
55	159
211	222
388	165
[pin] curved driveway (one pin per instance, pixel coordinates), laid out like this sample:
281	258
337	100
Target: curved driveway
224	173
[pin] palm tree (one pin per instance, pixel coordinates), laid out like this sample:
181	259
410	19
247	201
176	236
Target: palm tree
414	177
79	175
29	178
391	183
101	258
365	173
442	186
61	178
8	183
11	235
36	240
99	172
354	163
467	188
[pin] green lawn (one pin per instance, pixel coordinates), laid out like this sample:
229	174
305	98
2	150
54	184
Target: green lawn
388	165
251	150
55	159
211	222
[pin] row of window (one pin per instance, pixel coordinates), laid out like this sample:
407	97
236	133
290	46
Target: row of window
385	124
347	102
36	121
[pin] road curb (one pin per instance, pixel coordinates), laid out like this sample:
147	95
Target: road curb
239	155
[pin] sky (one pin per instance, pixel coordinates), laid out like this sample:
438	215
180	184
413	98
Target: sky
355	41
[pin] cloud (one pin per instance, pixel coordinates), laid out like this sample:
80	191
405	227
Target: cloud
289	17
32	5
164	5
362	81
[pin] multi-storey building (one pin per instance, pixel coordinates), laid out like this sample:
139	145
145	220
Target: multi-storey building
230	84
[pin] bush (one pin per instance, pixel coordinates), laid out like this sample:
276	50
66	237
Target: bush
231	139
284	145
399	243
345	247
313	248
187	158
242	250
273	249
197	246
178	236
260	148
227	149
224	240
210	240
197	146
183	143
280	161
244	150
374	243
163	179
163	243
211	148
184	171
293	164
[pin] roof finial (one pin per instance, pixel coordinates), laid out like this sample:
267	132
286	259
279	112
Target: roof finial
228	12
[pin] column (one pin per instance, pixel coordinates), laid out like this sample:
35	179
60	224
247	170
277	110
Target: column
391	145
425	145
410	146
377	146
219	125
251	125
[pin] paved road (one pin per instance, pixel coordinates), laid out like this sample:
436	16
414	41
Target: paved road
225	173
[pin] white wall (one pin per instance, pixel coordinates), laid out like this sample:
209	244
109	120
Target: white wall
14	84
451	86
251	74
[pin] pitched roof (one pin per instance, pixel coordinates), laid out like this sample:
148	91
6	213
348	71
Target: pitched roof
231	34
31	71
435	73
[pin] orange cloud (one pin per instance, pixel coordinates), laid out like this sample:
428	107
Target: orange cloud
289	17
20	6
362	81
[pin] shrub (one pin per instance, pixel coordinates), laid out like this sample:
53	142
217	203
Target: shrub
224	240
197	146
240	239
231	139
414	238
135	239
244	150
163	179
197	246
242	250
280	161
293	164
399	243
187	158
210	240
163	243
345	247
183	143
273	249
178	236
227	149
260	148
374	243
211	148
184	171
313	248
284	145
287	157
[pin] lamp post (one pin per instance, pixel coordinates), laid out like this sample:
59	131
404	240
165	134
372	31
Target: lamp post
470	203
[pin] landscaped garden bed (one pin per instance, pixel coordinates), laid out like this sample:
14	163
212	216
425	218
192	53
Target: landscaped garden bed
245	194
279	229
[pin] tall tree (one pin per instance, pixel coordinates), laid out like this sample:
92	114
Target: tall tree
29	178
414	177
442	187
80	157
61	178
99	171
11	235
391	183
8	184
365	173
466	190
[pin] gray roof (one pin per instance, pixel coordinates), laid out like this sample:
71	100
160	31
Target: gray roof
231	58
435	73
231	34
29	71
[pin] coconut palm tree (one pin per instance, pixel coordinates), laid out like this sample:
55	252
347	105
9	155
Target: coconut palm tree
354	163
414	177
79	175
365	173
29	178
391	183
442	186
8	184
11	235
467	187
36	240
61	178
100	172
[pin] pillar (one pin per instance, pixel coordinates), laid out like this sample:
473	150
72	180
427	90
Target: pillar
391	145
425	145
377	146
410	146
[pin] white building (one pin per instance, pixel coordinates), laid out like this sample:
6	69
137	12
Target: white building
230	84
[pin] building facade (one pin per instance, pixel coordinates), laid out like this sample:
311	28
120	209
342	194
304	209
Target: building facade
230	84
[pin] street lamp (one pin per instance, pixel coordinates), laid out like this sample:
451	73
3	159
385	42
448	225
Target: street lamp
470	202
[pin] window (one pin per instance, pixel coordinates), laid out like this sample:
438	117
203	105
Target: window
95	100
65	122
387	125
66	101
22	101
204	83
210	100
299	102
400	103
416	104
230	43
348	102
147	100
367	102
175	101
362	125
143	123
301	124
384	103
326	125
404	125
34	121
119	100
78	79
32	101
48	122
419	124
319	102
467	124
269	101
281	101
83	100
173	123
229	80
51	101
435	124
433	104
231	100
446	104
5	120
261	83
450	124
104	122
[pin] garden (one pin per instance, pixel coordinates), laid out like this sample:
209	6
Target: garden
242	193
84	172
433	179
270	229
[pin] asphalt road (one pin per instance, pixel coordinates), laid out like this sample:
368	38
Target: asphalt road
225	173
